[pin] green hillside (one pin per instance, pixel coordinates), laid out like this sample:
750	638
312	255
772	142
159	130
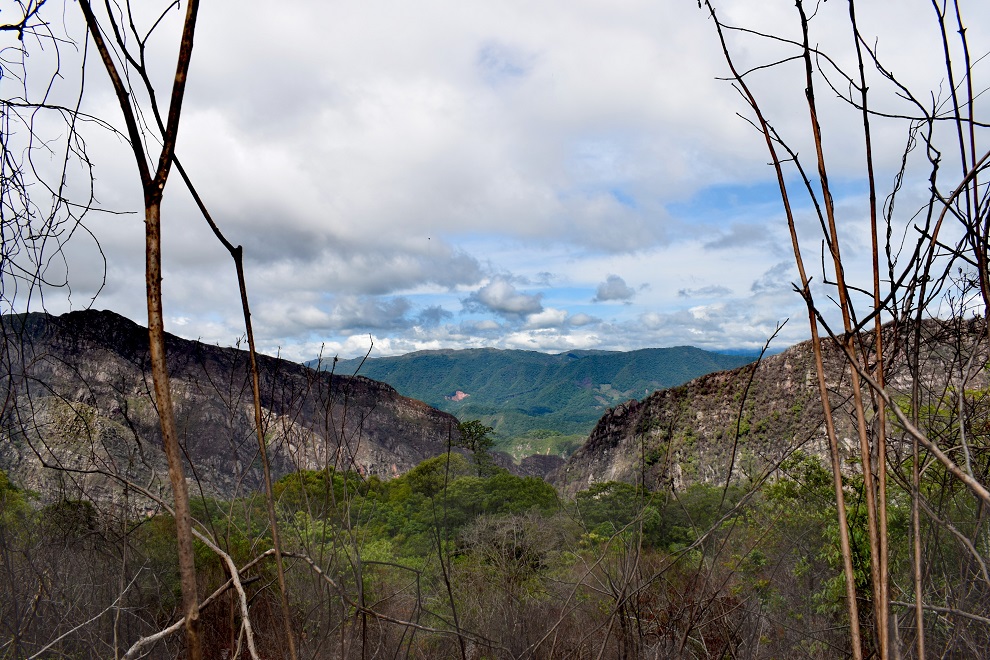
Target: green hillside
544	401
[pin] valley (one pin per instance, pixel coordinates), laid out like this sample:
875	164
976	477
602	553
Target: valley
803	186
710	496
538	403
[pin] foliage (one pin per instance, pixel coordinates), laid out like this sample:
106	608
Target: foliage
318	491
477	439
543	442
763	566
13	500
521	391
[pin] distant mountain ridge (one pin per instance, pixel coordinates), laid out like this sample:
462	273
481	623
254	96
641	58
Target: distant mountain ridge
520	391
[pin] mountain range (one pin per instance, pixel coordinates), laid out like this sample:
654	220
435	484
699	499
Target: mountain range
78	398
522	393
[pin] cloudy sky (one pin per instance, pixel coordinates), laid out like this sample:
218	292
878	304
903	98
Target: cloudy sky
436	174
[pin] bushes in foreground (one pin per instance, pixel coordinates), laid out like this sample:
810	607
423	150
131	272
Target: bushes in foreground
442	562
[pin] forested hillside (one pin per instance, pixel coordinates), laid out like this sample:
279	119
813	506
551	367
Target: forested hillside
529	397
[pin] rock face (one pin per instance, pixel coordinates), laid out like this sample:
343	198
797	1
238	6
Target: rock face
744	422
78	397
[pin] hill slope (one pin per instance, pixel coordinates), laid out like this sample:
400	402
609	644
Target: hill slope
522	391
688	434
78	392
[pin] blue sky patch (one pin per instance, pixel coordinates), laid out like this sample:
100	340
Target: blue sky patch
624	198
500	63
722	203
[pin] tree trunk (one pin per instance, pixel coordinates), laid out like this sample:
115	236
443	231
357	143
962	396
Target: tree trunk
170	439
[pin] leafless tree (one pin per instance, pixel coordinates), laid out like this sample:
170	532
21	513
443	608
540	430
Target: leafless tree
915	285
120	37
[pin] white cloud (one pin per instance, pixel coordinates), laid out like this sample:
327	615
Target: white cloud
581	319
714	290
484	326
501	297
548	318
460	174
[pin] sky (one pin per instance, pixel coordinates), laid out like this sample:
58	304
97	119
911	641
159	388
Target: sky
542	175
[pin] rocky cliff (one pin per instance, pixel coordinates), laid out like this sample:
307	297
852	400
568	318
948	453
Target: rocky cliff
745	421
79	418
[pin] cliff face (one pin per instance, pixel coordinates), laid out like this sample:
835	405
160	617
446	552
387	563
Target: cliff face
722	422
79	397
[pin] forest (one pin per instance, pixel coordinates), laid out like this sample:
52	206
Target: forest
524	394
450	560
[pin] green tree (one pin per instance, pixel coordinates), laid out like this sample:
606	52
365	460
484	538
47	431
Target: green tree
477	439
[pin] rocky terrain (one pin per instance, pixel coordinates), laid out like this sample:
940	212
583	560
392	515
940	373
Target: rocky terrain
79	419
746	422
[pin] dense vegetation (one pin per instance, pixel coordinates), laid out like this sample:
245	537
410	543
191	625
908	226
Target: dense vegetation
537	401
443	562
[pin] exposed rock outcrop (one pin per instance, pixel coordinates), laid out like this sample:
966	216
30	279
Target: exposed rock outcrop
722	422
80	418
